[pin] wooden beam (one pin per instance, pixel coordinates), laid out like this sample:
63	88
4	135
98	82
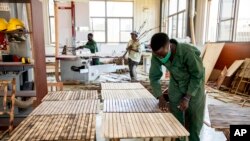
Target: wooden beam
39	50
57	42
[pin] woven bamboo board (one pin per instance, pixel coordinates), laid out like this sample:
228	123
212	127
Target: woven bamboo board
56	127
224	116
67	107
126	94
71	95
141	125
148	105
121	86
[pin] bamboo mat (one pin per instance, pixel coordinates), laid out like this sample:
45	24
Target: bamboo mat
71	95
67	107
56	127
223	116
131	105
141	125
126	94
121	86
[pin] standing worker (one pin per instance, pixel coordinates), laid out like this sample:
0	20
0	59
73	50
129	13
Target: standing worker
92	46
186	87
134	55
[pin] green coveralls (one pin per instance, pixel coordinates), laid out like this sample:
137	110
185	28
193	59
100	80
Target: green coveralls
93	49
186	77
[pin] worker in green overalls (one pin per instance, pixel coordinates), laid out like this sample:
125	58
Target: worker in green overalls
92	46
186	87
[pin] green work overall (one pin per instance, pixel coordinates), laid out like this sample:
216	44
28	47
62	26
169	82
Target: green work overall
92	46
186	77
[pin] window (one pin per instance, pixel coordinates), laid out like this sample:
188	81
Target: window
228	20
110	23
177	18
52	21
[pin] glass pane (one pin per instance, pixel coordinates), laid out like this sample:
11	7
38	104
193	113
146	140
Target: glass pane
126	24
180	25
212	21
170	26
99	36
172	6
182	5
225	30
51	7
243	23
120	9
227	9
113	30
125	36
96	8
98	23
174	27
52	30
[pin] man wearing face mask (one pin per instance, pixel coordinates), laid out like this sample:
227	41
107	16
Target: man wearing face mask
186	87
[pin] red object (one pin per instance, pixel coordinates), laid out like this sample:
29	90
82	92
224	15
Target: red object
16	58
3	42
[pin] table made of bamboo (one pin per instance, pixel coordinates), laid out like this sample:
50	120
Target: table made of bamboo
67	107
118	126
71	95
56	127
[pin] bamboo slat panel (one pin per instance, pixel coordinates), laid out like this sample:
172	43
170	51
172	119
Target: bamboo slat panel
121	86
71	95
126	94
141	125
131	106
67	107
56	127
223	116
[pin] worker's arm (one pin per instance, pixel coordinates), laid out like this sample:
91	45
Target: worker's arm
196	72
155	75
138	49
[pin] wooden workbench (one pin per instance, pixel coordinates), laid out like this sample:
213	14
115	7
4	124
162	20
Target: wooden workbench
56	127
149	105
141	125
121	86
126	94
67	107
71	95
221	117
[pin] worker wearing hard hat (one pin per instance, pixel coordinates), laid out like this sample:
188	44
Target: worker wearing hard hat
134	55
186	87
14	24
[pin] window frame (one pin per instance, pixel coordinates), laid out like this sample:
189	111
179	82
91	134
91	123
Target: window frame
178	13
50	17
106	21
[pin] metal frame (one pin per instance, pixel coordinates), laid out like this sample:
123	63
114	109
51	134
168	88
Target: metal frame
106	20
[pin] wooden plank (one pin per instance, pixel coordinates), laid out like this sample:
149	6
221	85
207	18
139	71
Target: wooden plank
234	67
208	61
221	77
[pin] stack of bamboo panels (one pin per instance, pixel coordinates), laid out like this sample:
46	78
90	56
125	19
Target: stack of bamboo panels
131	105
126	94
71	95
56	127
61	116
121	86
144	125
67	107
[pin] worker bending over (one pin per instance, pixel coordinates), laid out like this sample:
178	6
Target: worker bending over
134	55
186	87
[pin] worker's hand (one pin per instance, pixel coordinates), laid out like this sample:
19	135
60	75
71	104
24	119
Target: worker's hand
184	104
162	102
129	47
